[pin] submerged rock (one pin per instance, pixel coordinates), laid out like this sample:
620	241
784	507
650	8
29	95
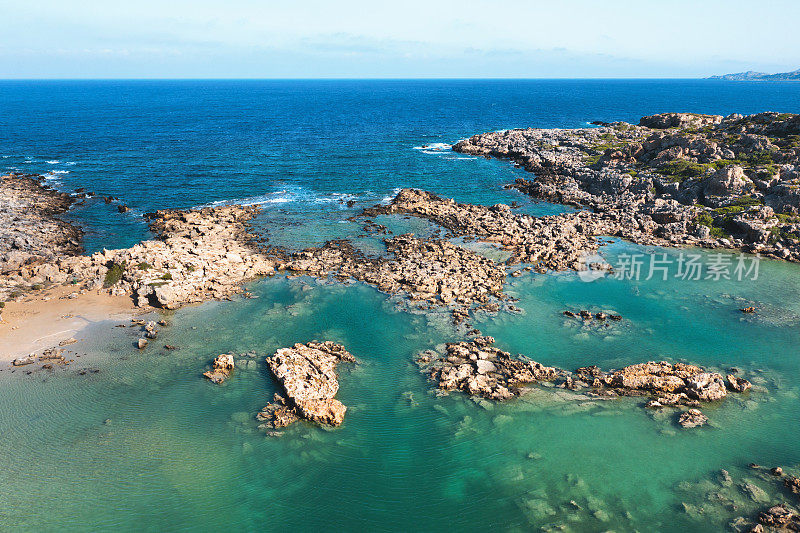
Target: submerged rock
692	418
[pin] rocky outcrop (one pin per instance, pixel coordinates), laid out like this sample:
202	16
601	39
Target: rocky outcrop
479	369
780	517
554	242
433	271
678	178
199	254
222	367
666	383
307	374
32	232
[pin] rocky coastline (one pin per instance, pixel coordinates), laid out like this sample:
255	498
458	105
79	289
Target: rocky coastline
198	254
673	179
33	234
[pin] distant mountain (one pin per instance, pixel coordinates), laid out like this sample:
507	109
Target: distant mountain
751	75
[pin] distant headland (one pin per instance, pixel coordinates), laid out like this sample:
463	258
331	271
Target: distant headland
752	75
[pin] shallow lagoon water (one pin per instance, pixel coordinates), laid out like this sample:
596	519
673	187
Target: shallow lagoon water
147	443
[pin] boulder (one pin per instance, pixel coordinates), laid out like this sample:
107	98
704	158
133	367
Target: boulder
726	181
738	384
706	386
222	368
307	374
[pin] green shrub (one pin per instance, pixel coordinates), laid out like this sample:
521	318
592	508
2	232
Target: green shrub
144	266
37	286
167	276
680	169
718	233
114	274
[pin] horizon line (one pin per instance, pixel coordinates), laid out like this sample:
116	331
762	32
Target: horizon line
365	78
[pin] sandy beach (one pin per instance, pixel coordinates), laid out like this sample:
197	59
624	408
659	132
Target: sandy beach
42	321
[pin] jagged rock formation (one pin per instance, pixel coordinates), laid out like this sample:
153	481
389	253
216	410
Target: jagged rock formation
307	374
222	367
679	178
32	234
199	254
429	270
554	242
479	369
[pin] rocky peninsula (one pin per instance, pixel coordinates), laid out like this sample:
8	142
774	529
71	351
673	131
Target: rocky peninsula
674	178
197	254
33	234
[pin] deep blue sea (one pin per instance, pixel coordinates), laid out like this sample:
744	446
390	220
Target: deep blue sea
147	444
306	144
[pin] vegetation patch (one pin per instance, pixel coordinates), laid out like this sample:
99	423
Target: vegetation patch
680	170
114	274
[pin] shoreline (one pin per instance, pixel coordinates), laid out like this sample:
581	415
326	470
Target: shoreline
207	253
42	322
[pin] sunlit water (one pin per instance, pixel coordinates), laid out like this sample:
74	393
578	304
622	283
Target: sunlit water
147	443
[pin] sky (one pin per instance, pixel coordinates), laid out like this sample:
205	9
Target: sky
398	39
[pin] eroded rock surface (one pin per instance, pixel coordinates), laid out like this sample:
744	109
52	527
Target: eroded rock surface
692	418
678	178
427	270
199	254
307	374
32	232
222	367
478	368
555	242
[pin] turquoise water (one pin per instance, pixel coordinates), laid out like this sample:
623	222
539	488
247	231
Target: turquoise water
178	452
146	443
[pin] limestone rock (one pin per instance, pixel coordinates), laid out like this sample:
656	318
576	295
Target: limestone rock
221	368
307	374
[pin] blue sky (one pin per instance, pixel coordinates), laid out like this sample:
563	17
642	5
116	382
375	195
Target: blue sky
412	38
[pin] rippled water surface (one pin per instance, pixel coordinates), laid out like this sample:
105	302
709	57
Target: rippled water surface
146	443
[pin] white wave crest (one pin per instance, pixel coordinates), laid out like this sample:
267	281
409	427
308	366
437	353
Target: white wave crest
434	148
